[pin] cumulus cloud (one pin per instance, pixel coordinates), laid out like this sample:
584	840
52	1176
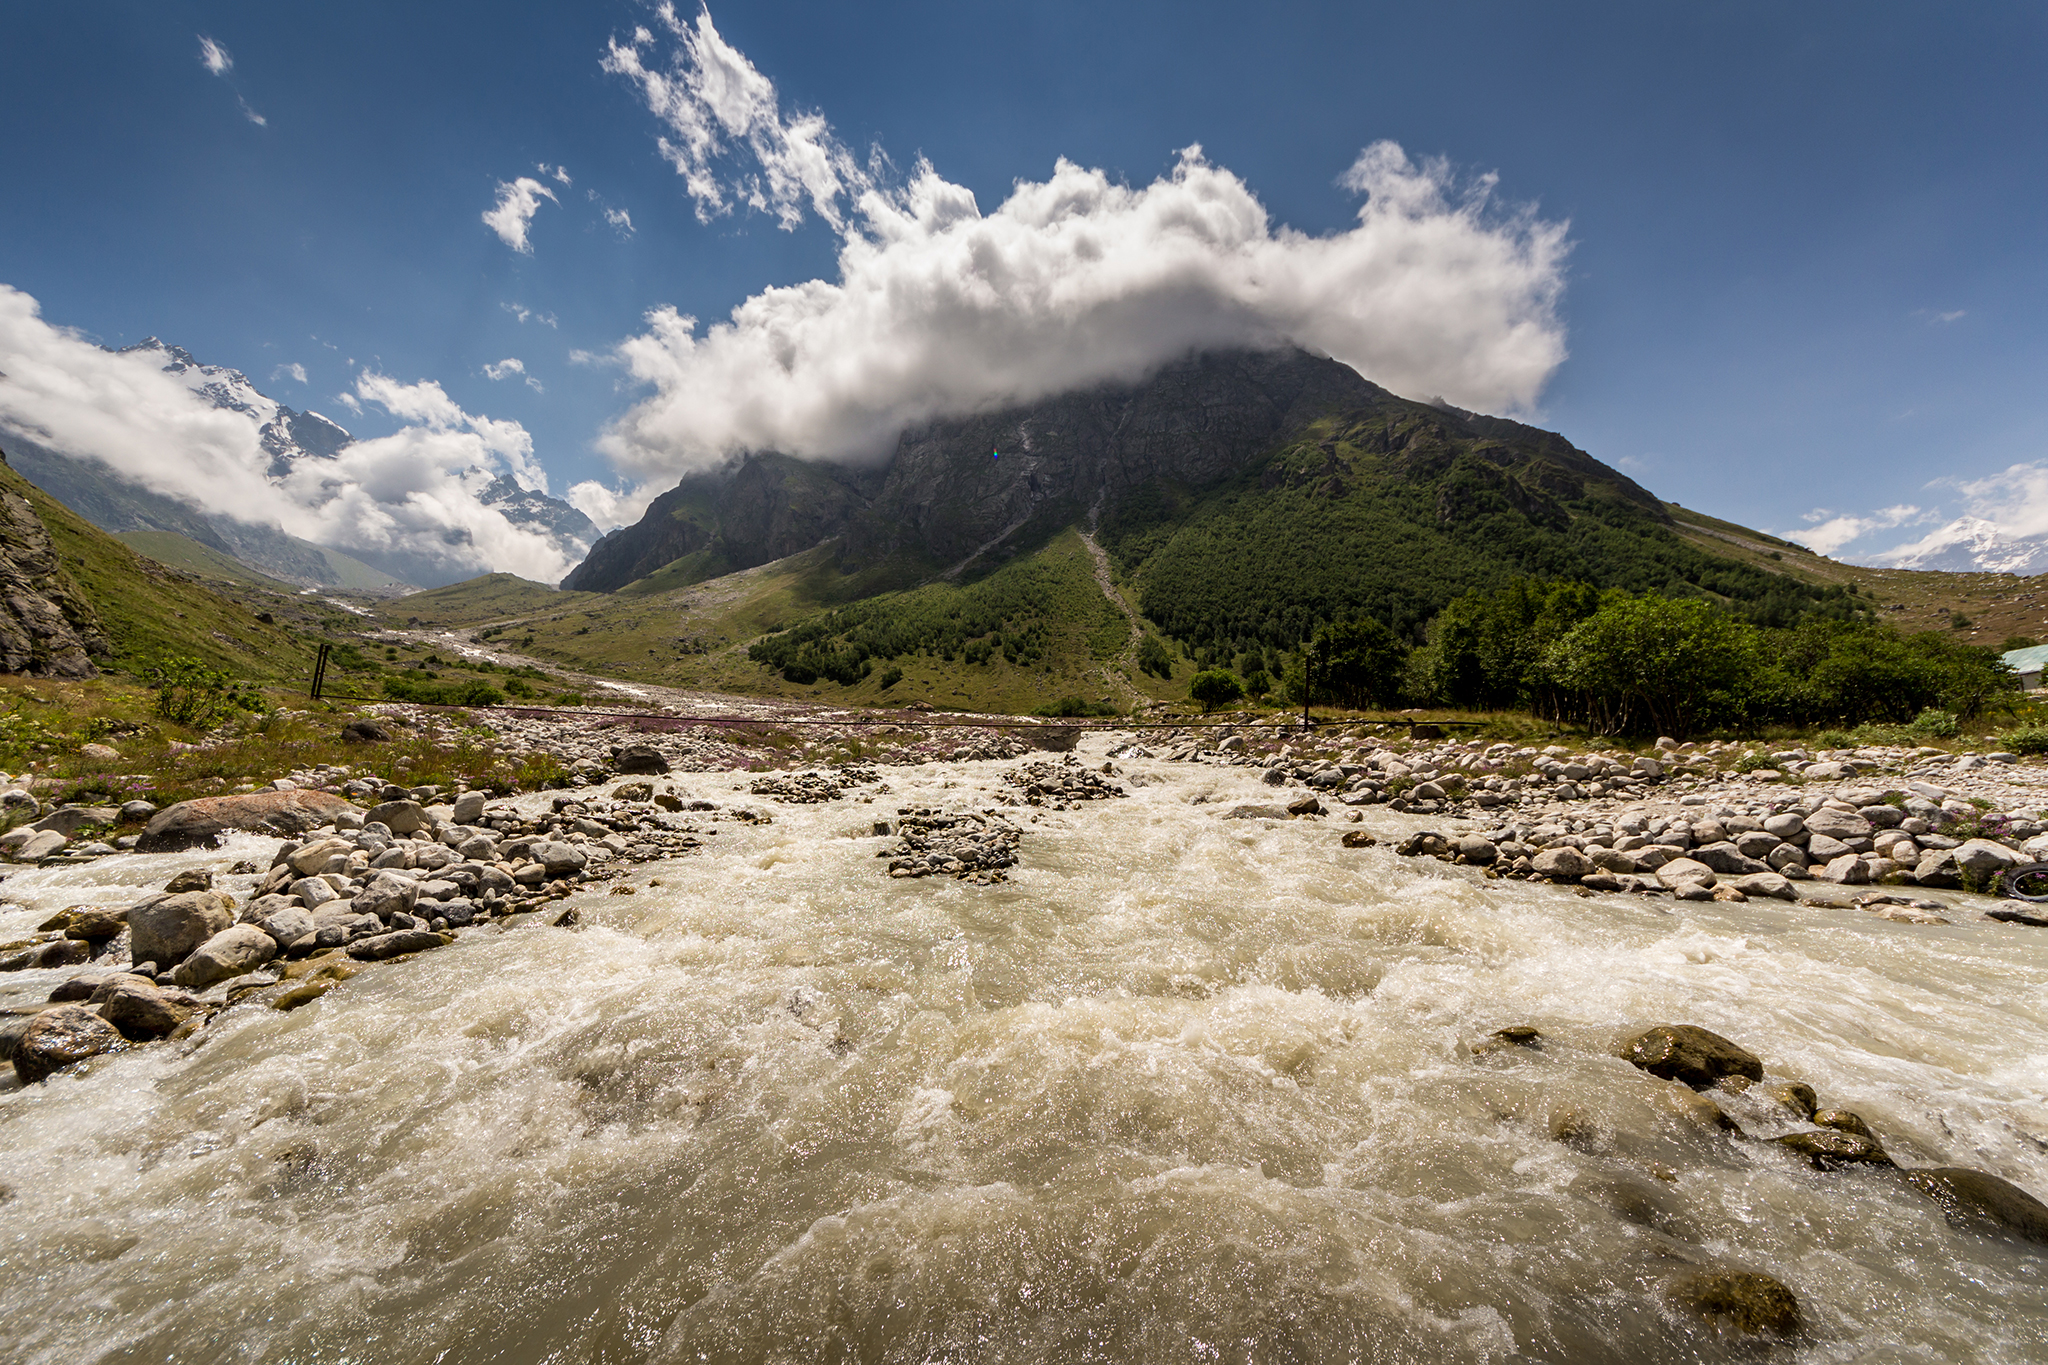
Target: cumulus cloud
1828	532
517	202
413	495
940	309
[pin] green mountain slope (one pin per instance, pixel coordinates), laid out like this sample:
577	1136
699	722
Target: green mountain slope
489	599
148	611
187	555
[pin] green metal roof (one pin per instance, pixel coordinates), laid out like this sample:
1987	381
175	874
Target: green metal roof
2031	660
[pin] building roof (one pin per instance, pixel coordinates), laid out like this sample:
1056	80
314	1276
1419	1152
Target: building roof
2032	660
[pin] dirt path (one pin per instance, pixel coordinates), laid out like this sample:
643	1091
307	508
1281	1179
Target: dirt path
1114	672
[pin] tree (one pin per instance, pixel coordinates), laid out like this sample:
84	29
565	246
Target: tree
1215	687
1654	664
1354	663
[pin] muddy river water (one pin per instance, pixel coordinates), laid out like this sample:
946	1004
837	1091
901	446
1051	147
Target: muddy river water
1182	1089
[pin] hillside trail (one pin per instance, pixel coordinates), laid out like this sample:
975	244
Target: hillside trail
1115	672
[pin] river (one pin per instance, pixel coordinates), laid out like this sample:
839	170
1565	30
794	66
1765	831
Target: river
1183	1089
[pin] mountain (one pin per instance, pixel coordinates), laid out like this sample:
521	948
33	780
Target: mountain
1973	545
74	599
1244	496
116	503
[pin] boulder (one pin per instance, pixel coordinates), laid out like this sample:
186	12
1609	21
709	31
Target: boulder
92	923
1693	1056
1788	825
191	879
1847	870
62	952
1561	864
234	951
39	846
1830	1149
1766	884
469	807
1476	850
1784	856
363	730
1837	824
1794	1095
380	947
385	895
1825	848
338	922
1305	805
313	857
641	758
560	859
1613	860
287	924
633	791
189	824
1983	1202
1937	868
1981	859
136	812
314	892
1358	838
1728	861
167	928
1843	1120
1749	1303
400	817
59	1037
140	1012
68	820
1682	872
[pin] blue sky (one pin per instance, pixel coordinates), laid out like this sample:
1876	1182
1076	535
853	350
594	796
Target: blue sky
1806	267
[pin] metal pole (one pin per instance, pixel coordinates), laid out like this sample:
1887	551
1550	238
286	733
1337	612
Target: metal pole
319	671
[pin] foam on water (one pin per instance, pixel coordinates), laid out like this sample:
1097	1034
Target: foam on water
1184	1089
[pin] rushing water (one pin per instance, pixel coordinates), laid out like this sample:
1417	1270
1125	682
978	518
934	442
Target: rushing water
1184	1089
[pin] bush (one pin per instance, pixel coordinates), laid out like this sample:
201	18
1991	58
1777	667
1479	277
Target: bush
1070	707
1934	724
2013	642
1258	683
467	692
890	677
1215	687
189	693
1153	658
2027	739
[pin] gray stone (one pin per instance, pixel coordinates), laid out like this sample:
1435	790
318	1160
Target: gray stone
1727	860
140	1012
1757	844
287	924
313	892
60	1037
1784	826
1690	1055
385	895
1982	858
1561	864
190	824
1682	872
560	858
68	820
1474	849
234	951
1847	870
363	730
1882	816
383	946
167	928
402	818
311	858
1838	824
1769	884
135	812
469	808
1937	868
1743	1301
1786	856
1613	861
1831	1149
1654	856
39	846
1825	848
1982	1202
641	758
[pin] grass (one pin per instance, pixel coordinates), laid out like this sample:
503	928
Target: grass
201	561
487	600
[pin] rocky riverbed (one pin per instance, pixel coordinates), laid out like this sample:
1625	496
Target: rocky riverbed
1164	1030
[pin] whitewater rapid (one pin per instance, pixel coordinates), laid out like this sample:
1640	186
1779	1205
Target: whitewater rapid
1183	1089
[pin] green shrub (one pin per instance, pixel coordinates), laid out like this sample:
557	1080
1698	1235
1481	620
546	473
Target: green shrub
1153	658
1074	706
189	693
1934	724
462	692
890	677
2027	739
1214	687
1258	683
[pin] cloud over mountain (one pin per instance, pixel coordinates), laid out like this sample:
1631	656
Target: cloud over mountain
941	309
198	434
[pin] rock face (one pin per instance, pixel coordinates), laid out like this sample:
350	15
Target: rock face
168	928
1983	1202
47	627
190	824
1694	1056
1193	422
58	1037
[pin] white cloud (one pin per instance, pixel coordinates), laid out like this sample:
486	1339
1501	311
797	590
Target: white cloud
215	59
609	507
517	203
712	98
291	368
510	366
415	493
618	218
1828	532
560	173
523	313
940	309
